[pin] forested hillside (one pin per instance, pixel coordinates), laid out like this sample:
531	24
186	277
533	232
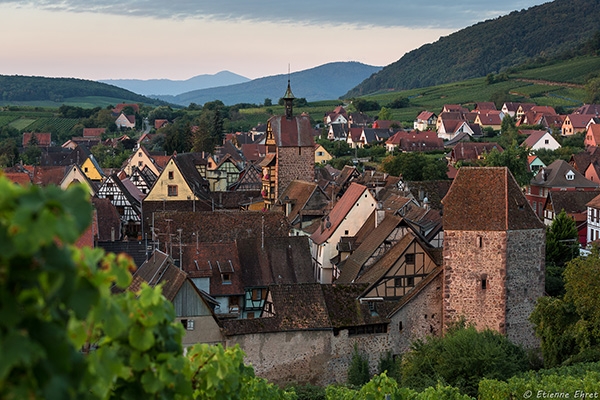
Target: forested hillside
560	28
35	88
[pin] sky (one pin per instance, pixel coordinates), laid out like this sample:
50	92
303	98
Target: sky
179	39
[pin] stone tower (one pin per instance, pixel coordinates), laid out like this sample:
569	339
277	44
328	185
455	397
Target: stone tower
290	151
494	248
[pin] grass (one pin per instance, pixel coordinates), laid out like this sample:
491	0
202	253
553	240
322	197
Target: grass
22	123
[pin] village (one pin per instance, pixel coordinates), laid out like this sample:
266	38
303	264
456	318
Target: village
264	244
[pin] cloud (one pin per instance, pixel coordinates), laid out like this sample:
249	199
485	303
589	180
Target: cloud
384	13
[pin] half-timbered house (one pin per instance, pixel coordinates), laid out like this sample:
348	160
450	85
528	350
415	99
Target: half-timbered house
128	204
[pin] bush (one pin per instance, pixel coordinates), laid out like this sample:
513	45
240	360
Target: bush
358	372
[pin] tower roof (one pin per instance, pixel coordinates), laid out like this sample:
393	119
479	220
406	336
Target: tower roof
487	199
288	93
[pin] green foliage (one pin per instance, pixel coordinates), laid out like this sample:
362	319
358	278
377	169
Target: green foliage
399	102
384	114
358	371
308	392
566	382
415	166
569	327
31	155
389	365
110	157
562	245
66	334
364	105
461	358
514	157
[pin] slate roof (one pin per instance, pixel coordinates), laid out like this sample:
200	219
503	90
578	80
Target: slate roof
581	161
487	199
311	306
108	219
555	176
572	201
366	249
221	226
299	193
159	269
589	109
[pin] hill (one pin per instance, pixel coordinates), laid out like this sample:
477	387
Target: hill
328	81
156	87
548	30
16	89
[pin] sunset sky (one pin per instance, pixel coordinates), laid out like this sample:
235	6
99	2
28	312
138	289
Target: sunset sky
178	39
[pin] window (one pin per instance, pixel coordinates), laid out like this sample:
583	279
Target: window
140	163
570	175
410	281
398	282
172	190
170	174
226	278
257	294
188	324
479	241
409	258
484	282
140	154
546	141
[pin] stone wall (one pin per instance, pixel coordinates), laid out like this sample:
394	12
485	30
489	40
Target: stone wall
525	282
475	278
420	317
318	357
294	163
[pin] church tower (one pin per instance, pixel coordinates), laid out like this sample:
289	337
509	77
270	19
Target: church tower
494	248
290	151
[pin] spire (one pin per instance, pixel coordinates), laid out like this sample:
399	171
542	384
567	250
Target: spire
288	100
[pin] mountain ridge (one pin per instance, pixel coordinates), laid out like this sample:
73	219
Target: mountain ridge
163	86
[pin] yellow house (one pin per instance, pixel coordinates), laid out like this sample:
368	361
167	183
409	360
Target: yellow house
179	180
92	169
321	155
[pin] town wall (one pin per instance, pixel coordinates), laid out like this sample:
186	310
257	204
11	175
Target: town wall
420	317
317	357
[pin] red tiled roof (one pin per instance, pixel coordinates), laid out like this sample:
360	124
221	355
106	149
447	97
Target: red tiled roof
43	139
20	178
487	199
93	132
339	212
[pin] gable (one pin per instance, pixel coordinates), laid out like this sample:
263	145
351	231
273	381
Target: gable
170	185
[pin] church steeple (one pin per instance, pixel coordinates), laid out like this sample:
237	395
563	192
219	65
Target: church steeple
288	100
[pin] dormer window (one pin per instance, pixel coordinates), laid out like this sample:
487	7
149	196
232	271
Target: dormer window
570	175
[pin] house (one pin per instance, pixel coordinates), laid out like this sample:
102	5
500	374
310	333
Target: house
557	176
194	309
582	160
38	139
414	141
127	199
522	109
593	220
179	186
575	123
302	203
141	158
345	219
573	202
454	108
321	155
484	107
337	132
143	179
588	109
290	151
160	123
92	169
220	175
109	221
74	174
540	140
354	138
592	135
535	164
93	132
490	119
510	108
426	120
493	250
371	136
125	121
471	151
449	129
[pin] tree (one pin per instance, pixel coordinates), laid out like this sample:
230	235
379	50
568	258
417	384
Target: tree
592	88
415	166
268	102
462	358
508	124
569	327
70	330
384	114
562	245
514	157
400	102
